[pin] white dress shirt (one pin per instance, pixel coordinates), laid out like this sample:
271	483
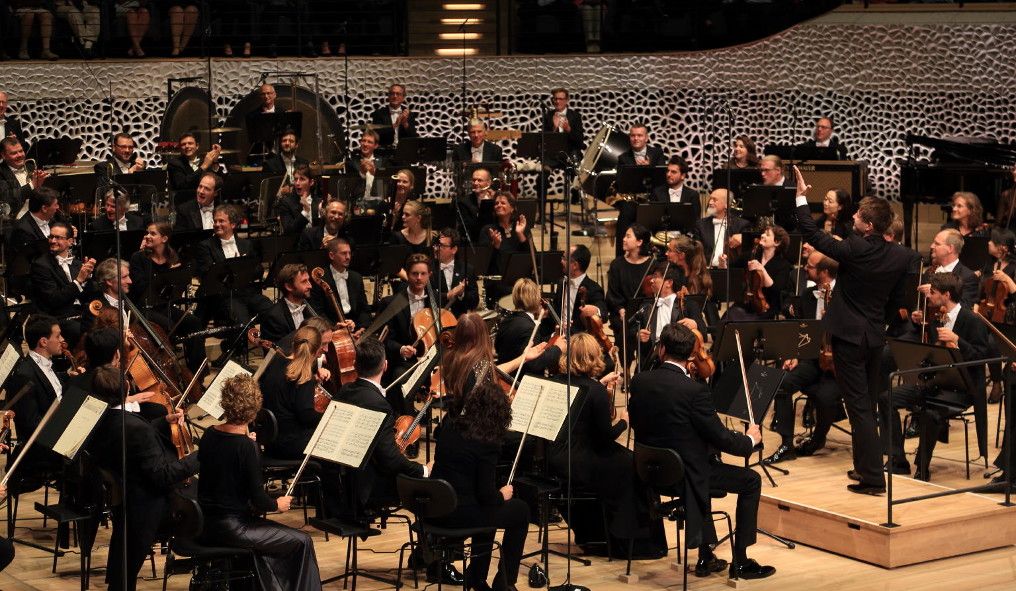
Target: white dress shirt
416	302
476	152
342	288
947	268
42	224
719	240
395	114
573	291
560	116
207	216
949	320
46	365
675	193
664	308
195	164
448	269
229	248
296	311
123	167
22	175
820	296
368	179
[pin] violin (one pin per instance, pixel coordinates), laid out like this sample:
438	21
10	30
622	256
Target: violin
755	298
992	305
594	324
341	355
321	396
5	430
825	355
700	363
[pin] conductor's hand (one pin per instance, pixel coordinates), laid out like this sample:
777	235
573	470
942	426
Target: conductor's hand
507	492
86	270
284	503
755	433
407	351
643	335
802	186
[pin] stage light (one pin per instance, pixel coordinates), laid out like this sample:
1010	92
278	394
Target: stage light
458	21
458	6
456	51
460	36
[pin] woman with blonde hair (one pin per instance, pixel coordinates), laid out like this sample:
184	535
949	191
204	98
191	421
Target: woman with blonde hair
416	229
514	332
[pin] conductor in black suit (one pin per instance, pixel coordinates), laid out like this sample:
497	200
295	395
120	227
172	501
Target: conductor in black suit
346	284
717	229
116	202
675	191
199	213
477	148
186	169
824	138
396	114
669	409
287	314
872	274
640	153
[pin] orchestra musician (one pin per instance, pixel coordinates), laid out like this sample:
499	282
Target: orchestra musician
333	226
1002	268
514	332
346	284
454	281
285	315
772	264
640	153
837	208
59	282
661	310
945	258
10	125
402	346
367	163
508	234
687	254
593	303
823	138
30	230
967	215
745	154
468	205
396	114
15	178
405	182
669	409
186	169
562	118
299	205
286	161
477	149
153	471
199	213
771	168
416	232
123	160
675	191
231	495
116	201
625	275
470	360
720	228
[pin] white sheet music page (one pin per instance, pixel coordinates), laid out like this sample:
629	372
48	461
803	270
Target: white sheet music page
345	433
7	362
210	401
546	402
422	367
80	427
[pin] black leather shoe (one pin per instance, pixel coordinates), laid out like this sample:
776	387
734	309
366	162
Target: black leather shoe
900	468
922	473
866	489
449	574
707	566
749	569
783	453
996	393
809	446
853	475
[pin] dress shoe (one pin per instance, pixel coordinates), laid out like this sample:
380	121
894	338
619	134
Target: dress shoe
996	393
809	446
853	475
449	574
749	569
999	483
901	468
783	453
913	430
866	489
922	473
707	566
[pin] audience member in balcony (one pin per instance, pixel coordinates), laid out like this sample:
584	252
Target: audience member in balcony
84	20
135	12
183	20
28	12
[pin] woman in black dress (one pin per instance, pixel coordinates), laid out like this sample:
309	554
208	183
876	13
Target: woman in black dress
769	261
625	276
967	215
745	153
416	229
231	494
509	234
837	213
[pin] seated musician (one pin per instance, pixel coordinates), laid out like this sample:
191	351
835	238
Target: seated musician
116	202
1002	270
154	471
244	302
669	409
471	361
366	163
286	161
101	346
625	277
285	315
157	256
687	254
598	463
396	114
29	230
515	331
806	375
824	138
508	234
837	213
967	215
198	213
477	148
945	258
232	496
416	232
675	191
15	177
299	205
59	281
123	160
745	154
454	282
405	183
770	263
346	284
469	206
664	307
402	345
640	153
772	170
585	295
187	168
333	226
956	327
719	228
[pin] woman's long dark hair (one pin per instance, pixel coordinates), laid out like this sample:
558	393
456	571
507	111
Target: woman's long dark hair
486	414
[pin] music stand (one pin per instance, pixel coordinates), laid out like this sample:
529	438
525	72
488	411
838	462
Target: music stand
186	241
912	355
764	383
526	207
666	216
102	245
551	270
380	260
421	149
975	255
167	286
74	188
55	152
519	265
542	146
805	152
442	215
738	178
478	257
266	127
419	176
308	258
640	179
367	229
764	200
271	247
231	275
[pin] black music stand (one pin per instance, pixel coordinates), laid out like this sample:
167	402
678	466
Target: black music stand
764	200
55	152
805	152
527	207
738	178
975	255
365	229
167	287
308	258
412	150
551	270
732	292
270	247
666	216
102	245
912	355
231	275
477	257
632	180
519	265
266	127
74	188
380	260
545	147
442	215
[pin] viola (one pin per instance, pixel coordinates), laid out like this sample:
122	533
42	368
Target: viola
992	305
321	396
341	355
700	363
755	298
594	324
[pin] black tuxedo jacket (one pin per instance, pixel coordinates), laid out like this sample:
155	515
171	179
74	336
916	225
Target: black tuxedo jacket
30	408
359	309
354	165
688	195
704	232
382	116
290	213
188	215
512	336
52	292
668	409
970	285
274	164
13	127
594	297
25	232
576	142
692	310
312	237
209	252
975	344
103	224
469	299
11	191
276	322
400	331
385	461
491	152
653	153
872	273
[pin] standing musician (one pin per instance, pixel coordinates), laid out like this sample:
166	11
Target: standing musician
454	281
366	163
687	254
597	462
187	168
468	205
592	302
243	303
14	175
664	308
199	213
625	276
508	234
564	119
675	191
402	346
514	332
955	327
669	409
806	375
872	273
59	280
153	471
477	149
945	258
771	264
346	284
396	114
286	161
967	215
720	228
299	205
638	154
285	315
116	201
231	496
28	230
416	232
321	233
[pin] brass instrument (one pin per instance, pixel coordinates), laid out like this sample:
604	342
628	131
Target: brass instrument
614	197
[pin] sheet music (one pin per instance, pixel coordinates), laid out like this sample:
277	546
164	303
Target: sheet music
81	425
210	401
344	434
7	362
414	378
543	400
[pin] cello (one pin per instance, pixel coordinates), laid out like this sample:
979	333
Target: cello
342	349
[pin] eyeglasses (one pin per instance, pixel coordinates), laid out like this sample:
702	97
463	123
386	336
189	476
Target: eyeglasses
440	245
824	126
54	236
767	170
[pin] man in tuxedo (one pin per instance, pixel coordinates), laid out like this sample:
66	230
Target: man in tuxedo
515	331
805	375
872	273
823	138
367	164
123	160
319	235
562	119
640	153
60	283
244	302
29	230
945	258
285	162
298	205
401	345
719	227
585	295
15	178
669	409
346	284
477	148
186	169
675	190
453	279
959	329
285	315
199	213
654	315
396	114
469	203
117	202
772	171
10	126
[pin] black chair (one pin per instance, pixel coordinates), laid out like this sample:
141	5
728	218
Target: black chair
549	491
267	428
432	498
352	531
208	565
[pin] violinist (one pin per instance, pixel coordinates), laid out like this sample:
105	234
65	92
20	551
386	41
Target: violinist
59	281
598	463
997	291
454	281
514	332
508	234
585	295
285	315
625	275
416	232
945	258
719	228
473	217
153	471
346	284
769	264
806	375
688	255
837	214
956	327
470	360
402	345
101	346
333	226
664	307
299	203
967	215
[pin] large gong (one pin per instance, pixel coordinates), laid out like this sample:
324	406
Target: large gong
187	112
323	125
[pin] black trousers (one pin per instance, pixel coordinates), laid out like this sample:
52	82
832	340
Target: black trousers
6	553
858	376
134	531
930	422
747	485
513	518
283	557
820	387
